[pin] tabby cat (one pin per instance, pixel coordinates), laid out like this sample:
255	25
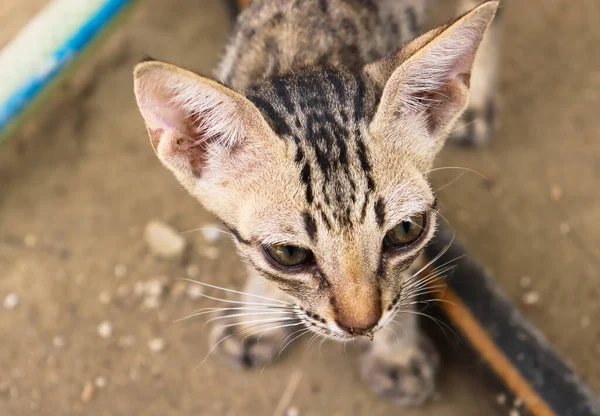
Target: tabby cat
313	146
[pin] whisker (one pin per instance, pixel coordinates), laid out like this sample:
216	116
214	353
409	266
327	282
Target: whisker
305	331
312	339
237	302
456	179
236	291
240	331
217	318
422	291
423	281
389	328
429	279
434	300
460	168
437	257
216	310
437	321
268	320
207	228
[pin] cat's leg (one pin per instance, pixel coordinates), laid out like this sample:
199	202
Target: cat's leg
401	362
256	338
477	124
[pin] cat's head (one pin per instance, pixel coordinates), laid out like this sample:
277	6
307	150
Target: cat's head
321	174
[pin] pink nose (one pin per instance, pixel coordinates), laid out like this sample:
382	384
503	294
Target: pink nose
359	325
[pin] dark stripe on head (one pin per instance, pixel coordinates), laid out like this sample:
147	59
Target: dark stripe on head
310	225
275	120
305	178
281	89
236	234
325	220
359	104
323	5
338	84
363	212
380	211
381	268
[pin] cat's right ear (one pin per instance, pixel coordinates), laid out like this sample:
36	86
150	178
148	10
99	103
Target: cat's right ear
201	130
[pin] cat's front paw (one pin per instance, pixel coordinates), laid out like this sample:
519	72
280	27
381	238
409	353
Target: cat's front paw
476	126
246	348
404	373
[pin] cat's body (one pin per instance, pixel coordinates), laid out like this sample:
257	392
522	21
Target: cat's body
315	155
281	37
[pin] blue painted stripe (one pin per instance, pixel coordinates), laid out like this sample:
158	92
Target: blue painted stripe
17	102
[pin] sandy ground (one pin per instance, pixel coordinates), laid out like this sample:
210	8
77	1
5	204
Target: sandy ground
79	184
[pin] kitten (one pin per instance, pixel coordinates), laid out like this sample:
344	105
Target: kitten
314	150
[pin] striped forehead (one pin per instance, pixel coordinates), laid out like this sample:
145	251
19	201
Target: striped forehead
324	114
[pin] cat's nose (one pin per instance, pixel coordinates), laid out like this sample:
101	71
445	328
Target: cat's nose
359	325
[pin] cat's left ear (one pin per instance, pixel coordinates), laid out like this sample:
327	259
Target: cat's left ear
426	83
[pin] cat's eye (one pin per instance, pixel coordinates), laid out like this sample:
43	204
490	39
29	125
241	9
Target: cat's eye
288	256
406	232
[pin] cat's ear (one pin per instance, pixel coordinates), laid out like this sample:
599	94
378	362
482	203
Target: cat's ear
426	83
200	129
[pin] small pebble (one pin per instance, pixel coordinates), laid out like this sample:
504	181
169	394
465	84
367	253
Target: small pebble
126	341
163	240
104	297
30	241
212	233
58	341
564	228
525	282
585	321
156	287
156	344
514	412
139	288
88	392
194	292
14	392
152	302
531	298
556	192
120	271
292	411
123	291
100	382
134	373
518	402
105	329
192	271
11	301
501	399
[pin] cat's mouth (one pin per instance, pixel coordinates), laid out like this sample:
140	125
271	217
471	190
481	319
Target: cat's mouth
332	329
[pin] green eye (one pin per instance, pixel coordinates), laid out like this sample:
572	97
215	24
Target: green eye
288	256
406	232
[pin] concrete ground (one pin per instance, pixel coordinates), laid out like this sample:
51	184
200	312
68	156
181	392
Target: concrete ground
79	184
